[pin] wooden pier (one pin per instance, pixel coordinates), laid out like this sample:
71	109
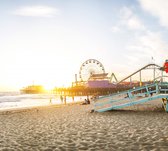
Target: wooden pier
86	91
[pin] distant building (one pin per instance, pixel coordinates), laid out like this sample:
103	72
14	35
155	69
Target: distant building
33	89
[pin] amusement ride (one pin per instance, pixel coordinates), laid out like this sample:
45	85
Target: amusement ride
91	68
92	74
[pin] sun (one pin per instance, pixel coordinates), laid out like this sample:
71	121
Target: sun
48	87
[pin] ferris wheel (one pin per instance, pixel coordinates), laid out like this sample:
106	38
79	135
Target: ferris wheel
90	67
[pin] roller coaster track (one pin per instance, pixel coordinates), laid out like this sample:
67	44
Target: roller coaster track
155	66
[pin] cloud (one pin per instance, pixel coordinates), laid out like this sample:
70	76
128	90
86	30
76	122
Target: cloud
134	23
36	11
129	19
150	44
115	29
157	8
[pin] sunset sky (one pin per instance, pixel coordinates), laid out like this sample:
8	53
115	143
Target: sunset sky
46	41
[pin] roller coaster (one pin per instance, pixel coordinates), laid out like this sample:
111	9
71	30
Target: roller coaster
154	67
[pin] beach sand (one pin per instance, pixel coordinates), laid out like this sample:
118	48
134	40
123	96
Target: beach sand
73	127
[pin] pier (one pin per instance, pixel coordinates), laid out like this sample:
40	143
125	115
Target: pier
92	82
86	91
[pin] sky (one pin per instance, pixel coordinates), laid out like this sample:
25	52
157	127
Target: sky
46	41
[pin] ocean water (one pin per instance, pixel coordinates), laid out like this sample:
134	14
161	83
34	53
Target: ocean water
9	100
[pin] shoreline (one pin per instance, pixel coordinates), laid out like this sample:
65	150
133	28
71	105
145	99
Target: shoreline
149	106
29	108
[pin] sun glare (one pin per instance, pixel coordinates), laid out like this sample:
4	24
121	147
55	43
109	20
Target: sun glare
48	86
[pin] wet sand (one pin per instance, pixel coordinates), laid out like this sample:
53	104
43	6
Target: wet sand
73	127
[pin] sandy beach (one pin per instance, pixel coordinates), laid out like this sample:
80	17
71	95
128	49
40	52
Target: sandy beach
73	127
